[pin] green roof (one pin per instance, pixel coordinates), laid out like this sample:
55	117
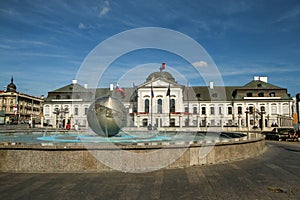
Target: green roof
70	88
257	84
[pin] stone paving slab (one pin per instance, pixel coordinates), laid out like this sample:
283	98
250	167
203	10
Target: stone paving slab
272	175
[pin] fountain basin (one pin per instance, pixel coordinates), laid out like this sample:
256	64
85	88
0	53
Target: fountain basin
51	156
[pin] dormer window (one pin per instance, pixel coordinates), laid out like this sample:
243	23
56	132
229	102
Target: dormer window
259	85
214	95
272	94
249	94
261	94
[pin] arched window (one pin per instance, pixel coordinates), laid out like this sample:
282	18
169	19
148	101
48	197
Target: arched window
47	110
146	105
229	110
159	106
261	94
194	110
172	105
240	110
251	109
76	111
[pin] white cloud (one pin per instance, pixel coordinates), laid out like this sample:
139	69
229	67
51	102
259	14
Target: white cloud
105	9
291	14
81	26
200	64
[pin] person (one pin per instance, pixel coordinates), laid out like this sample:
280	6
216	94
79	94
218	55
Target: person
68	126
76	127
29	124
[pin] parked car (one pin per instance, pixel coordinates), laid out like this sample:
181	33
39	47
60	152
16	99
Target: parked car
279	134
272	135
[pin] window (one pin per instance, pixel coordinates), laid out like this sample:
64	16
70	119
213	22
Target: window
47	110
203	110
159	106
76	111
229	109
186	109
212	110
249	94
261	94
285	109
147	105
145	122
272	94
240	111
194	110
58	97
273	109
251	109
172	105
262	109
214	95
198	96
220	111
85	110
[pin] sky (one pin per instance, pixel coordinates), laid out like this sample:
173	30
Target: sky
43	44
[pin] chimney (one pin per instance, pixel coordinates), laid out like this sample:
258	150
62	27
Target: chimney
85	85
74	81
111	87
211	85
264	79
256	78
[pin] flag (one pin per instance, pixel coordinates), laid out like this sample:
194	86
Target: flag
163	66
152	92
118	89
168	91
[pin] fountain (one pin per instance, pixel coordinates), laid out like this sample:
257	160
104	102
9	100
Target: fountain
107	145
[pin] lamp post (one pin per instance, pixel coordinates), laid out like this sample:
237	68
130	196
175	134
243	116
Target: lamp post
247	119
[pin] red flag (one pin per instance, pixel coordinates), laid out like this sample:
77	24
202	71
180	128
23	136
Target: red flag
118	89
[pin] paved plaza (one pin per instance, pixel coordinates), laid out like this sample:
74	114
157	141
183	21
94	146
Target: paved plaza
273	175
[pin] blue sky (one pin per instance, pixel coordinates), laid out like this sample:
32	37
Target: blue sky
43	43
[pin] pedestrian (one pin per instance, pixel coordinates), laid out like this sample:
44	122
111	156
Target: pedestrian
68	126
76	127
29	124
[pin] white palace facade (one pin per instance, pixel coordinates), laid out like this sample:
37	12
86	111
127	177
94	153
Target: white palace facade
161	102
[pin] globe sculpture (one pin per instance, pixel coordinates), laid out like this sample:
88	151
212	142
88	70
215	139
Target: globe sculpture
106	116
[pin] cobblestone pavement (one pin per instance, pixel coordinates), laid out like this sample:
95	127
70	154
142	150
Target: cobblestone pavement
272	175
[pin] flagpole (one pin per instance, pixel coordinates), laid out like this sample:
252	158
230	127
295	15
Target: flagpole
187	94
151	105
170	110
169	94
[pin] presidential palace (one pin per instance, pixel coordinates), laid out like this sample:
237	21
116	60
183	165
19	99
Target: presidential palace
163	103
